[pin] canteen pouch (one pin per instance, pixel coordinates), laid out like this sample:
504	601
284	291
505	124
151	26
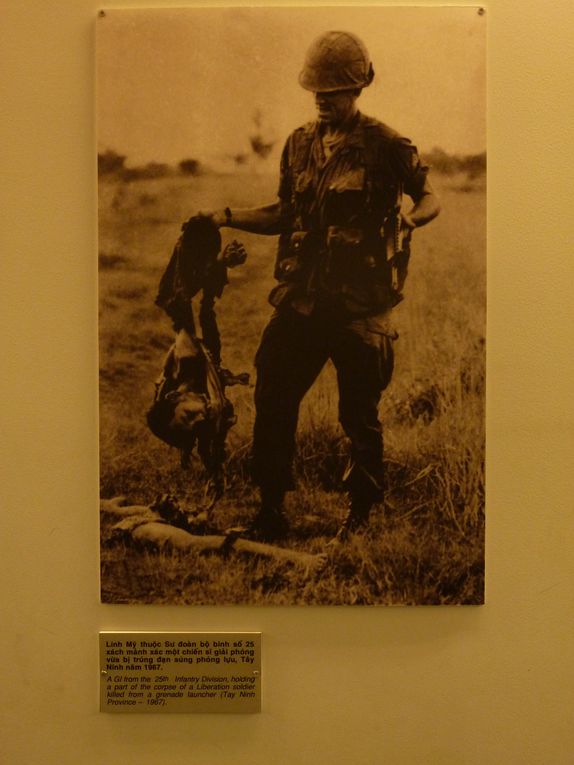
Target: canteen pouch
293	255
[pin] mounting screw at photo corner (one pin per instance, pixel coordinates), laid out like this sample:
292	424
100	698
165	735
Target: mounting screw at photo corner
101	14
481	11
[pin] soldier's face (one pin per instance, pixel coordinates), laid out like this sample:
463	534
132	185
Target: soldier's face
336	108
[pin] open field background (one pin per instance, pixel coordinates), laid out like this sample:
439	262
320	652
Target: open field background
426	545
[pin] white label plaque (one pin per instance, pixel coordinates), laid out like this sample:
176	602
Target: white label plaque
180	672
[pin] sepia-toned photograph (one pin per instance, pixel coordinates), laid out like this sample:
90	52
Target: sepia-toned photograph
292	305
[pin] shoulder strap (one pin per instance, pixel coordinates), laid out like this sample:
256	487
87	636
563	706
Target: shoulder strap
301	140
383	186
378	139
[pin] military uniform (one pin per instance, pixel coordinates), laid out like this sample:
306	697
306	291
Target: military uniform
334	294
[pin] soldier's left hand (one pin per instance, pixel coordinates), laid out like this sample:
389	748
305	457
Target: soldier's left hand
407	223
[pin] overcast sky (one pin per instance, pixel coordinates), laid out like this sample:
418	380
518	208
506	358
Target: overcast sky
174	84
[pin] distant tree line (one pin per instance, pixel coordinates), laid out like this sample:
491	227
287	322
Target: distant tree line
112	164
474	165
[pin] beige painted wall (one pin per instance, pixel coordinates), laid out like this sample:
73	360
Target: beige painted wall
466	686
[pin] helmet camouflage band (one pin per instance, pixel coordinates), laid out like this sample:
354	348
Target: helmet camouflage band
336	61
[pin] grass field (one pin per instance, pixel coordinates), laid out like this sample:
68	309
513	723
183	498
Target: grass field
426	544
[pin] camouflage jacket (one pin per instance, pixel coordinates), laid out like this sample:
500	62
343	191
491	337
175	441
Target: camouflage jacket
334	211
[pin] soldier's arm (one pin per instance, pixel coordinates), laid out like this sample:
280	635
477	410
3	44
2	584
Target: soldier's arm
426	207
267	219
257	220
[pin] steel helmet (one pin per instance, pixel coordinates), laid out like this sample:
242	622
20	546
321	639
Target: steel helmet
336	61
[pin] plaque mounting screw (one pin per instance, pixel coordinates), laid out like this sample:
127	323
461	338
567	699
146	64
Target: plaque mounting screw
256	672
104	672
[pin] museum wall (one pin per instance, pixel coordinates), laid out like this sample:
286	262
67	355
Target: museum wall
440	685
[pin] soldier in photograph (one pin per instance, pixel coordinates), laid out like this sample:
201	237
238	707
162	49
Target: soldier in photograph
340	268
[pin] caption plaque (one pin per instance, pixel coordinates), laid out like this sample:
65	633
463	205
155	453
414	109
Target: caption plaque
163	672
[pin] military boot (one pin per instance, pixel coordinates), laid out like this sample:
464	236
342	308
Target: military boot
270	522
357	518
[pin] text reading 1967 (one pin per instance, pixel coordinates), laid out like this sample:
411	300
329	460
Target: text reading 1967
180	672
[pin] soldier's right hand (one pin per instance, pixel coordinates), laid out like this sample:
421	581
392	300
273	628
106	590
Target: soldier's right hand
217	216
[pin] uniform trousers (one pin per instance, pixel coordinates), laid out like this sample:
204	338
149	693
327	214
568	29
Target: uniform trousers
293	350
